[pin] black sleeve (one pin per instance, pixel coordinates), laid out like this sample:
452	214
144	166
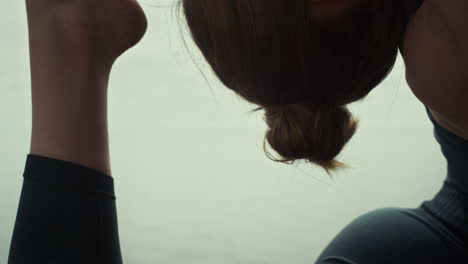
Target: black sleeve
66	214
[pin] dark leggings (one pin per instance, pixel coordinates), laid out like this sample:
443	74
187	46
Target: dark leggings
394	235
67	214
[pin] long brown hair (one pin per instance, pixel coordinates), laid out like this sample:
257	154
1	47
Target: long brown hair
302	69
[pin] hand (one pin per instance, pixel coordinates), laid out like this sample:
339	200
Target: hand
100	30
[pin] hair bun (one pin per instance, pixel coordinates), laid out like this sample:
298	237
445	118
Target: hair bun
314	133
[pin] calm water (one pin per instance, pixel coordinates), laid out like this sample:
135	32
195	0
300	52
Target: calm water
192	182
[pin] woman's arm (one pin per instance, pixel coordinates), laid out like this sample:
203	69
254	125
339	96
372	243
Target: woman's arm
436	57
73	45
69	100
67	210
453	13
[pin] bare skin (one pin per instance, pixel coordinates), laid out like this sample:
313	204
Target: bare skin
436	58
73	45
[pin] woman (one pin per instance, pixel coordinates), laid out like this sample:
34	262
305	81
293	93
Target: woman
282	55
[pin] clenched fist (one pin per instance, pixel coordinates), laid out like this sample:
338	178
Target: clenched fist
98	30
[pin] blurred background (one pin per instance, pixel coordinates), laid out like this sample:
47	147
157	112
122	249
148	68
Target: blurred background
193	184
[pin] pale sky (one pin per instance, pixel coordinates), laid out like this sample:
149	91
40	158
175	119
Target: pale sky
193	184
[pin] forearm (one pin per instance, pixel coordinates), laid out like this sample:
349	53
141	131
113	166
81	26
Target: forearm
69	100
71	128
